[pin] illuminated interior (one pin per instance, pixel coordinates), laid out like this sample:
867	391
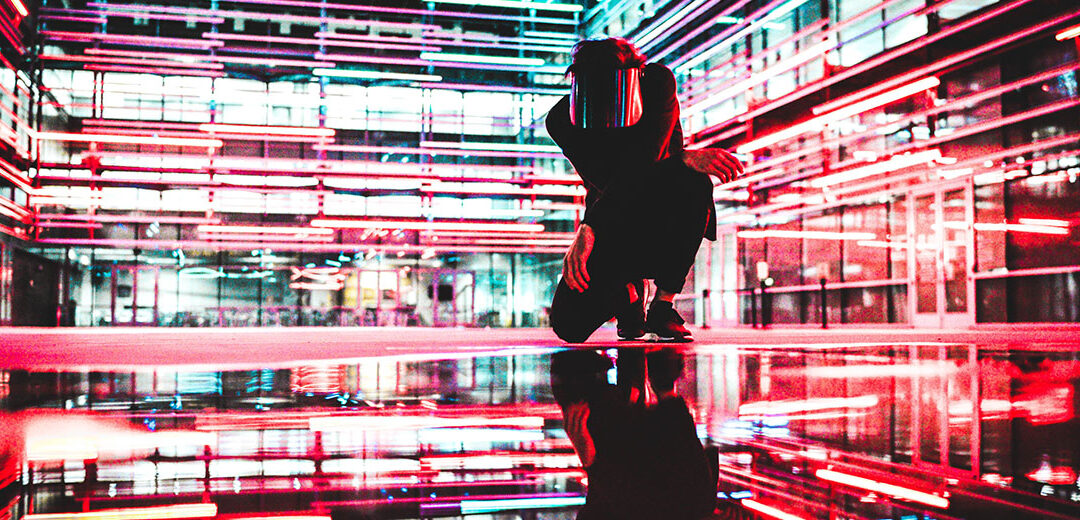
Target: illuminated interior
294	259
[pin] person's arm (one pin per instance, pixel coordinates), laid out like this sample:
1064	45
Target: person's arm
572	142
716	162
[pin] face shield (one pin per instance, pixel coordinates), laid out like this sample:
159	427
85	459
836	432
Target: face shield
606	99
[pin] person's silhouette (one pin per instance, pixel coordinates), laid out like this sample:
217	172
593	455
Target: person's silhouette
648	201
643	462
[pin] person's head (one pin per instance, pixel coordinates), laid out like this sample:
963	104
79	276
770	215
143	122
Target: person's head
606	90
605	55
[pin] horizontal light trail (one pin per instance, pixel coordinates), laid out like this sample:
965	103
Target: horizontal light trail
723	93
127	139
942	63
373	74
321	39
225	245
1020	228
130	61
896	162
516	4
497	147
20	7
101	17
424	225
908	48
705	50
768	511
267	130
809	235
174	512
142	219
406	11
155	70
819	122
145	41
1071	32
883	488
268	230
431	151
263	16
480	58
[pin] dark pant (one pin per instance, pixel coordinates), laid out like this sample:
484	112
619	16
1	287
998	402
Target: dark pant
660	226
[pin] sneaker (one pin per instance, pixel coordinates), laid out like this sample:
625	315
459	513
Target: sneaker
630	323
664	324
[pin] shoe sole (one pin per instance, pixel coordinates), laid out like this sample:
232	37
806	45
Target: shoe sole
653	337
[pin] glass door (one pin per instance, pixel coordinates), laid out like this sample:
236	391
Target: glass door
941	258
135	292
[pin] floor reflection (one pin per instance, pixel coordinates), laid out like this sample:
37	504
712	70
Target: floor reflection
908	431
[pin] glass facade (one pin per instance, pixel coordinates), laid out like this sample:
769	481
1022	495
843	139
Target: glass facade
918	156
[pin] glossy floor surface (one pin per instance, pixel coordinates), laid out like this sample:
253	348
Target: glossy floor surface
427	423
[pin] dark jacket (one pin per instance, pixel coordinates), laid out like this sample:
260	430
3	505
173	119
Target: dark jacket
624	158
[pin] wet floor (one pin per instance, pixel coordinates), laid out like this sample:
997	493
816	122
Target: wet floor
883	431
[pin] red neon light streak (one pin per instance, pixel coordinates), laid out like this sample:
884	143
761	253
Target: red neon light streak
174	512
125	61
20	7
1071	32
267	130
424	226
128	139
1045	222
883	488
277	230
819	122
810	235
1021	228
768	510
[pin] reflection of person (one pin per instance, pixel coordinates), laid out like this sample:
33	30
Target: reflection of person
648	204
642	462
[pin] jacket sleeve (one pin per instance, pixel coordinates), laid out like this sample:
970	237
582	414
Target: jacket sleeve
572	142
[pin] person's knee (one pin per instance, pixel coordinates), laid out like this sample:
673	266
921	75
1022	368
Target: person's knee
567	329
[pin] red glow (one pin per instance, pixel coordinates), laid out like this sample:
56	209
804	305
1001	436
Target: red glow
264	230
20	7
768	511
883	488
424	226
1071	32
175	512
128	139
1053	475
297	131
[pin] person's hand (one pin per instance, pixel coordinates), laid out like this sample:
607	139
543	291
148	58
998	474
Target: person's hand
576	422
716	162
574	272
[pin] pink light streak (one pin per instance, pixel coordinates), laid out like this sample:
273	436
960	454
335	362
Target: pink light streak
768	511
883	488
809	235
1021	228
296	131
20	7
155	70
126	61
156	41
128	139
275	230
173	512
424	226
320	39
1071	32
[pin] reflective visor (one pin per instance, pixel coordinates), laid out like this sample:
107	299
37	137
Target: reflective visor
606	99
